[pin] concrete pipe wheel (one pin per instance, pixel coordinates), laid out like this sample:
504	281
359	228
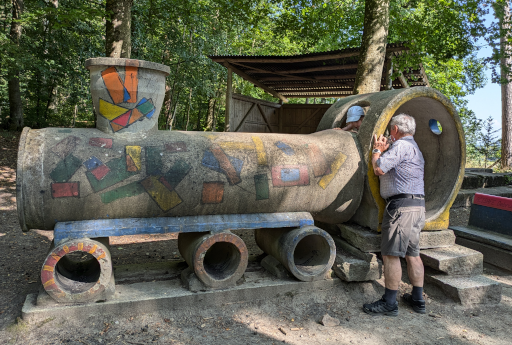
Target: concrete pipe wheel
77	271
219	260
307	252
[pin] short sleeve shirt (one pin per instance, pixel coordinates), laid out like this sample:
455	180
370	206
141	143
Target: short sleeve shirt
403	166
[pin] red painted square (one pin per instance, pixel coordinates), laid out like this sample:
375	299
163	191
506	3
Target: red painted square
100	171
101	142
303	179
213	192
65	190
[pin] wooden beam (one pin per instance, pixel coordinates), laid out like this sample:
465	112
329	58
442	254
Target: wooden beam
326	95
255	82
280	119
305	121
256	100
403	80
424	75
245	116
264	118
306	90
229	101
278	85
318	77
388	72
312	69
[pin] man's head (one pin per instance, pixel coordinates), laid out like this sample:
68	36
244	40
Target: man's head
402	125
355	114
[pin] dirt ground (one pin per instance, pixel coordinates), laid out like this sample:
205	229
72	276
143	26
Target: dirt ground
292	319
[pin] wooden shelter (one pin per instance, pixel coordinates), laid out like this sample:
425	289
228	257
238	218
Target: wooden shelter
314	75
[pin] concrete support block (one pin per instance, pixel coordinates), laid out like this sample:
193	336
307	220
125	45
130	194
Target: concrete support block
468	290
492	255
352	269
454	260
369	241
193	284
482	236
274	267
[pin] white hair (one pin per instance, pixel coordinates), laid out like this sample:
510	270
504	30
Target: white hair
405	123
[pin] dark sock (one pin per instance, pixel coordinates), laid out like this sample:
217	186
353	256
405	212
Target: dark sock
417	293
390	296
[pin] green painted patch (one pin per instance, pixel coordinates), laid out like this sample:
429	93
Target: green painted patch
154	160
178	172
261	184
145	107
65	169
131	189
117	174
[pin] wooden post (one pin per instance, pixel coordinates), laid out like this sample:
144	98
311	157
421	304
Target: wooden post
229	99
388	72
280	117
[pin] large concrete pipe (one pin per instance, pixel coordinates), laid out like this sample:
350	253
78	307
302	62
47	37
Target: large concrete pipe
78	271
443	147
218	259
307	252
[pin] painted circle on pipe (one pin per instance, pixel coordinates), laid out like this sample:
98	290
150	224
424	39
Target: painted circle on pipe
220	260
76	271
311	253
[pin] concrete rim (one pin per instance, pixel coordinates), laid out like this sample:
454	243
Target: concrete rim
51	283
107	61
19	180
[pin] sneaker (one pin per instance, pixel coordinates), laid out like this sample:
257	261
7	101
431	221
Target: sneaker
380	307
417	306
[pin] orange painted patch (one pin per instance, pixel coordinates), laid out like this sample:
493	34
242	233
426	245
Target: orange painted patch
48	268
101	256
116	127
49	282
80	246
130	164
114	84
136	115
213	192
66	249
131	80
93	249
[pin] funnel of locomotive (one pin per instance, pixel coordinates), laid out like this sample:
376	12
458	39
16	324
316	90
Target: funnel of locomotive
126	168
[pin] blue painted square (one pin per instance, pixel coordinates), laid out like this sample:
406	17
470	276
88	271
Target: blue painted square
126	95
289	175
211	162
92	163
150	114
285	148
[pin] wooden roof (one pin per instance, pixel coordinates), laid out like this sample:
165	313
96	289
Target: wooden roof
328	74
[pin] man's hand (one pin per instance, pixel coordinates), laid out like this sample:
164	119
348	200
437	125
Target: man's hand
380	143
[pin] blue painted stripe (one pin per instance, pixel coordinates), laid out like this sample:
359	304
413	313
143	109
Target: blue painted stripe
285	148
65	231
290	175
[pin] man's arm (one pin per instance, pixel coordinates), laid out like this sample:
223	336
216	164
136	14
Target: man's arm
382	145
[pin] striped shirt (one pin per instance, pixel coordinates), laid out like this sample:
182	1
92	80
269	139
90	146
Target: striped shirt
403	166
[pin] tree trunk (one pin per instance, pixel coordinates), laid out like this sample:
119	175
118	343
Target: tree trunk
15	104
211	113
373	47
118	35
506	86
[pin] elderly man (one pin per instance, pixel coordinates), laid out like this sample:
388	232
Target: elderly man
400	170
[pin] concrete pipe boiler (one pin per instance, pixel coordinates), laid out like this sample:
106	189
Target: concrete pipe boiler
126	168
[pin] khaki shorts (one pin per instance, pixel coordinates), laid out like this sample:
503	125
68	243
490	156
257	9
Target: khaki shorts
401	227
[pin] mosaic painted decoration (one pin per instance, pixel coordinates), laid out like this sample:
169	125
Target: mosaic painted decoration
65	146
65	190
217	160
261	186
65	169
335	167
290	175
285	148
101	142
213	192
163	196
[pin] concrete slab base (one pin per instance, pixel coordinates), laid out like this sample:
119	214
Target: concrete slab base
351	264
468	290
152	296
454	260
493	255
367	240
487	237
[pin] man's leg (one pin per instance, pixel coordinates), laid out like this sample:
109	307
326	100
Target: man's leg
415	270
392	277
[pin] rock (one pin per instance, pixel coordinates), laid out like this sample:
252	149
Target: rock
468	290
350	268
454	260
329	321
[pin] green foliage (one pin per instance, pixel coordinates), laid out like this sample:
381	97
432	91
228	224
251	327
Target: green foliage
487	146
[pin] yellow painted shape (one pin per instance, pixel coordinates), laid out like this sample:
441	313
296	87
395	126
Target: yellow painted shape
163	197
134	153
228	145
335	167
48	268
56	257
49	282
93	249
80	246
66	249
440	223
101	256
111	111
260	151
209	136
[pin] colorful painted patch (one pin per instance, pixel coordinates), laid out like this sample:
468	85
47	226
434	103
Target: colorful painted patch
165	198
154	163
335	167
146	107
260	150
134	153
100	171
123	119
233	145
92	163
114	85
136	116
65	169
131	79
290	175
217	160
178	146
111	111
117	174
126	191
65	190
285	148
130	164
65	146
177	173
317	161
261	185
213	192
101	142
116	127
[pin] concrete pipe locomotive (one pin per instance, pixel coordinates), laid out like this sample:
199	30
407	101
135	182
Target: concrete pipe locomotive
126	168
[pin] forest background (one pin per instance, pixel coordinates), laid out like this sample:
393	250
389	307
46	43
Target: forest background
44	45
